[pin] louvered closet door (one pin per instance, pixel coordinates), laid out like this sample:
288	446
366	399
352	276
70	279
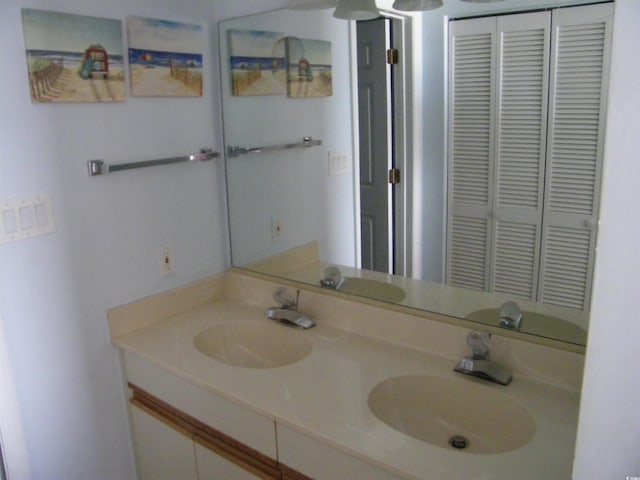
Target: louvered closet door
471	150
579	78
523	71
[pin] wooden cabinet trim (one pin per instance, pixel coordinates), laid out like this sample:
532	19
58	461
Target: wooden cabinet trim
231	449
291	474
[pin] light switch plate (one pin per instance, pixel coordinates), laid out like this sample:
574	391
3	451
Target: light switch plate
25	217
339	163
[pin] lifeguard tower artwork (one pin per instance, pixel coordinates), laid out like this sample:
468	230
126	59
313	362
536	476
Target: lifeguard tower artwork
165	58
73	58
309	68
258	65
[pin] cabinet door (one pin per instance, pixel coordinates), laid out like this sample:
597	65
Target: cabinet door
162	452
472	56
212	466
581	42
522	67
497	134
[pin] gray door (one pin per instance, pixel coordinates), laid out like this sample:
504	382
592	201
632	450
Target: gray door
374	108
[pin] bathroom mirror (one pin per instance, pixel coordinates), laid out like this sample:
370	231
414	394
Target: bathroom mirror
294	178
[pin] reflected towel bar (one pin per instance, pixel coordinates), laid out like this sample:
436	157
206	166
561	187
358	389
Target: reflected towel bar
235	150
99	167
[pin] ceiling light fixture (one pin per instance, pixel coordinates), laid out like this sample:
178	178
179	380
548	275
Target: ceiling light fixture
356	10
315	5
416	5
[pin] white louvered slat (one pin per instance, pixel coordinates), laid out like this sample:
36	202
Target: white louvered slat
566	274
468	252
525	152
516	260
471	113
578	85
523	64
573	172
471	118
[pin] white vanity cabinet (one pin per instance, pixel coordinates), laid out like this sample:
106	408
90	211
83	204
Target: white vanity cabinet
212	466
321	461
182	432
162	453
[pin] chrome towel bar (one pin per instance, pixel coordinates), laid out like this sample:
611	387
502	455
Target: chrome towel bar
235	150
99	167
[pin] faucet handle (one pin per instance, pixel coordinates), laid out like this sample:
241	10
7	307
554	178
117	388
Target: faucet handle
479	343
283	298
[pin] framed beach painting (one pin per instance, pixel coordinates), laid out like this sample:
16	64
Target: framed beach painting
309	68
73	58
257	61
165	58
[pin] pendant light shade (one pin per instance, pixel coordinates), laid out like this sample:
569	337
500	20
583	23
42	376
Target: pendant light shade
356	10
416	5
315	5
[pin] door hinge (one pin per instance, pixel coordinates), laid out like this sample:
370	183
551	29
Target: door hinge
392	56
394	176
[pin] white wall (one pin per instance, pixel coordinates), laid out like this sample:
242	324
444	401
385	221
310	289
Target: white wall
55	289
609	429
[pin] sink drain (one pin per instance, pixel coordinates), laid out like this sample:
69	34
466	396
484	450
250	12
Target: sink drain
458	441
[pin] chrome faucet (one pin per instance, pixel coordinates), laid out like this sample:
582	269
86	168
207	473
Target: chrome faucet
478	364
332	278
287	312
510	316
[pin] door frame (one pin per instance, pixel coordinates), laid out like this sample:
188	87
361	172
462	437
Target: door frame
403	140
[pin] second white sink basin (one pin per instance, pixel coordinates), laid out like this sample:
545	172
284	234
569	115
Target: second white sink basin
253	344
437	409
537	324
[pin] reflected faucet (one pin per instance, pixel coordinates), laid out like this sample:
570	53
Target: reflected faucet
511	316
478	364
332	278
287	312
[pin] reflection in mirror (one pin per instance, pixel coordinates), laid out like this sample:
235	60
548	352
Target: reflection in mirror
504	210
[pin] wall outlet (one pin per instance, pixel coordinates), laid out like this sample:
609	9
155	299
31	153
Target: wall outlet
276	229
165	258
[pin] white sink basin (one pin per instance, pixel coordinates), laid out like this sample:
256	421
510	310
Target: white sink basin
435	409
253	344
537	324
365	287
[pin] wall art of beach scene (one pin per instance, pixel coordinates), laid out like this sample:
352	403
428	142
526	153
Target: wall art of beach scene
309	68
165	58
257	61
73	58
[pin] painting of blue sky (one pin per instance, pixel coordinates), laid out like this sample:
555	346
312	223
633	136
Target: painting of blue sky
257	61
73	58
165	57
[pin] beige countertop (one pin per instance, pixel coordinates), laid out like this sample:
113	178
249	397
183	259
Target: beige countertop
324	395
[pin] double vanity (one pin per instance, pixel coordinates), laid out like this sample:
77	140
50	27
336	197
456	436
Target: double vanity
219	390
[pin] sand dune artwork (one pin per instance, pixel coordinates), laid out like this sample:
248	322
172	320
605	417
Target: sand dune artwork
73	58
165	58
258	65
